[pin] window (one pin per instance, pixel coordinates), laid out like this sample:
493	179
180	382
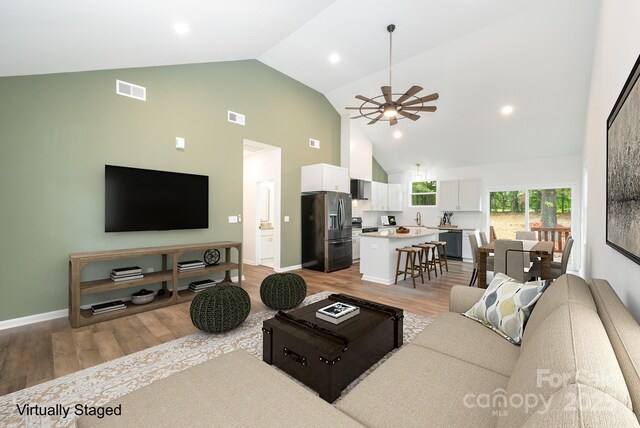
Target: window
423	193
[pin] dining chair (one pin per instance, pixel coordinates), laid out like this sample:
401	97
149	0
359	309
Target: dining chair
483	238
474	252
557	268
506	261
492	234
526	235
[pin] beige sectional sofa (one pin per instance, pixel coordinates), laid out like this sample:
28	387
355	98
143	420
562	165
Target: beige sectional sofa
579	365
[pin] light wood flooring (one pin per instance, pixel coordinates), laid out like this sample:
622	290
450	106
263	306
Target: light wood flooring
33	354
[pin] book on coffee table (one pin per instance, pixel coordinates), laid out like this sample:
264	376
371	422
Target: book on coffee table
337	312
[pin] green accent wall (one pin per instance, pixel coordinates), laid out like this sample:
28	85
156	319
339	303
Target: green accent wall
378	173
59	130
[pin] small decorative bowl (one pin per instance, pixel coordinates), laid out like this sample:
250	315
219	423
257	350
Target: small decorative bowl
142	297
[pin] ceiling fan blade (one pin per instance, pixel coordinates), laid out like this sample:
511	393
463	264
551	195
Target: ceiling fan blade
411	92
376	119
369	100
424	108
393	121
362	108
426	99
362	115
386	91
409	115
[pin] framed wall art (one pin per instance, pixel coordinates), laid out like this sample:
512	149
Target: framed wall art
623	170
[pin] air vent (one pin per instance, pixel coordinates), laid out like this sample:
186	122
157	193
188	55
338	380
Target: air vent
235	117
130	90
314	143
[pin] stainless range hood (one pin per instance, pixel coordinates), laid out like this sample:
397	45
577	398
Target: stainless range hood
357	189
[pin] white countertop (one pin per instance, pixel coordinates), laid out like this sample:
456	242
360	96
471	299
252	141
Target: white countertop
391	234
452	228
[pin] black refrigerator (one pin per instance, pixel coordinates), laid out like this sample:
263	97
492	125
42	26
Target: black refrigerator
326	231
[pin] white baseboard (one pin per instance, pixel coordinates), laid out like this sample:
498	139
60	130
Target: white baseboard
32	319
250	262
287	268
63	313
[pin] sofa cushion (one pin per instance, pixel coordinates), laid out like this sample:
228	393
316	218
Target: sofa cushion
623	332
569	347
582	406
462	298
506	305
567	288
232	390
459	337
418	387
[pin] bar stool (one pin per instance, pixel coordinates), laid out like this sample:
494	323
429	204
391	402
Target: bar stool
411	254
442	256
426	264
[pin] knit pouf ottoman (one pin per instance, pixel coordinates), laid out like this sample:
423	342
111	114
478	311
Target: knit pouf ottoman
283	290
220	308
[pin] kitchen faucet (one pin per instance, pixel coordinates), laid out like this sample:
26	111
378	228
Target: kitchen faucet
419	218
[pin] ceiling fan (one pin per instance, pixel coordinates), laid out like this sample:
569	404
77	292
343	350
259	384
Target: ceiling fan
383	107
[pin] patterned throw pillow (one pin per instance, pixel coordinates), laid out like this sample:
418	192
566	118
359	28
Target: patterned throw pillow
506	305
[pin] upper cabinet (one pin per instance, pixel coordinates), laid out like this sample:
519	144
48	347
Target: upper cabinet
394	197
384	197
379	196
470	195
460	195
325	177
360	163
448	195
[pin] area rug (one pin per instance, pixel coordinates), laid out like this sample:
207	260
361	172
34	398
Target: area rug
98	385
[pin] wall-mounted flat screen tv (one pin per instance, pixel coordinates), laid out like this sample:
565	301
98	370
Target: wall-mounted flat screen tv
142	199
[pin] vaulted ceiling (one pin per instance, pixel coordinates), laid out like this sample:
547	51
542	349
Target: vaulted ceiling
479	55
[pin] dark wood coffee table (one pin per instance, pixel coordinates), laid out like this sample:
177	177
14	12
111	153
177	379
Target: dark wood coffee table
327	357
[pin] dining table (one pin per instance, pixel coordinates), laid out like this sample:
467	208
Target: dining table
542	249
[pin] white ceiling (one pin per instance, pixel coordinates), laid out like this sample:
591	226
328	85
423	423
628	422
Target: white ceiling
479	55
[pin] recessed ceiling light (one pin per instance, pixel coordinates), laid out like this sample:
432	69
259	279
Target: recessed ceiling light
397	134
334	58
181	28
507	110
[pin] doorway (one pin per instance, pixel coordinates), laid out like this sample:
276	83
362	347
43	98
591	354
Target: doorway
261	204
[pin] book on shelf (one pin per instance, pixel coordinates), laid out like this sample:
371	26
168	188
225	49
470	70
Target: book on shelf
337	312
107	307
190	263
201	285
104	311
126	277
131	270
187	269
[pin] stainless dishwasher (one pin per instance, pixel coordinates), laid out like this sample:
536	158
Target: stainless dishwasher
453	238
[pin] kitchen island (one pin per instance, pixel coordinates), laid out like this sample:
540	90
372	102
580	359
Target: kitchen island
378	251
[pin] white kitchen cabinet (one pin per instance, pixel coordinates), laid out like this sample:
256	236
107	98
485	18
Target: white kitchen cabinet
325	177
266	245
394	197
360	164
466	245
379	196
460	195
470	195
448	195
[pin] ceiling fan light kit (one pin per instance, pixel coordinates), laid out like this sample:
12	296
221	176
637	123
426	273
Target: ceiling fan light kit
384	108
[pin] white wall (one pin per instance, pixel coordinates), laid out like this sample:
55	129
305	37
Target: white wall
537	173
258	168
617	48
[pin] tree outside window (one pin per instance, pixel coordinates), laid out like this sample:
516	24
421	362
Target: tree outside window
423	193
